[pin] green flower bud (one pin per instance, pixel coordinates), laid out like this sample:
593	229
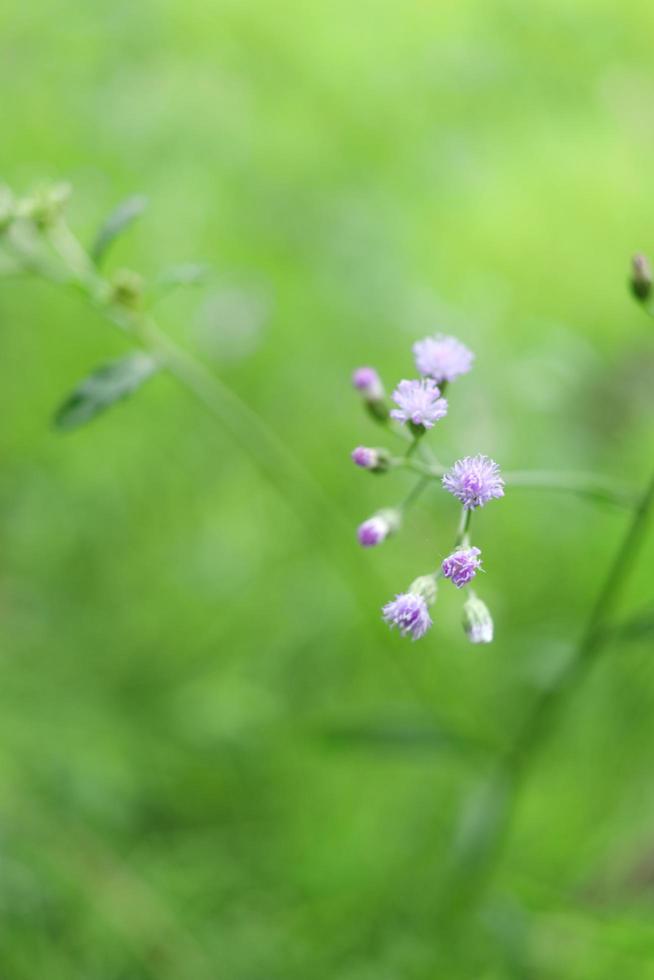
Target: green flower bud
425	586
641	277
127	289
45	206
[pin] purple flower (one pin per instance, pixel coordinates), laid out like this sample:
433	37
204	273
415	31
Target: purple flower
377	528
461	566
419	403
367	381
474	481
408	611
442	358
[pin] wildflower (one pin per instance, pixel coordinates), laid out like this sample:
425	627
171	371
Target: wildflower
376	460
442	358
477	621
474	481
377	528
408	611
419	403
461	566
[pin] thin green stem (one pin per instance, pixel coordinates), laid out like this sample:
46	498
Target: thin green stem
601	489
464	526
504	782
585	484
412	446
415	492
592	639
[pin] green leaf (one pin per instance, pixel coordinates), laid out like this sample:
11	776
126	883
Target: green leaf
481	821
116	223
107	385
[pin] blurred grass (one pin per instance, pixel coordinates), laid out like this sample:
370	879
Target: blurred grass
177	657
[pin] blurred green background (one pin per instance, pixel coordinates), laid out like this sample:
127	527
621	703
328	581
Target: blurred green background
215	761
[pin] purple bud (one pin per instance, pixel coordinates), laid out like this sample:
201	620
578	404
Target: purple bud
364	457
376	460
367	381
461	566
377	528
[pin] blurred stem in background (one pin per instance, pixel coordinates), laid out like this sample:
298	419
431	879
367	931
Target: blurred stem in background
486	815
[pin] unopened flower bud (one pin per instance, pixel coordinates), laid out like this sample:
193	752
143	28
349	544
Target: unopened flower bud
367	381
477	621
375	460
127	288
377	528
425	586
46	205
641	277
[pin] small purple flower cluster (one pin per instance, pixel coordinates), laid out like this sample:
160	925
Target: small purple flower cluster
473	481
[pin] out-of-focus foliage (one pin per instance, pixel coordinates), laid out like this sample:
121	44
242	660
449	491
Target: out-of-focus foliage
215	761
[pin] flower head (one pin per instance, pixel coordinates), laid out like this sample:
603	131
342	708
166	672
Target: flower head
461	566
419	403
409	612
474	481
442	358
377	528
367	381
477	621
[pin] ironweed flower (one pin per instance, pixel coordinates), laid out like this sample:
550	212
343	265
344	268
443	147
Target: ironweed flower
474	481
442	358
419	403
378	527
477	621
461	566
408	611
